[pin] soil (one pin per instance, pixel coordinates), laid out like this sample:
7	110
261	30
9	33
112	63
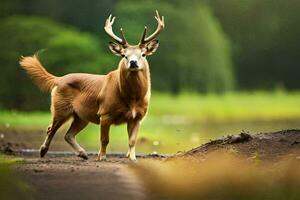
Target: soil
62	175
265	146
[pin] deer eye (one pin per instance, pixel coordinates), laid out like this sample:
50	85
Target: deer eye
143	54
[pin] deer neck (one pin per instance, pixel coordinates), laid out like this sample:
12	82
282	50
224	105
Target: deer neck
133	85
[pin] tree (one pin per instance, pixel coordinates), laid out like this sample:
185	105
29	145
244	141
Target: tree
66	50
265	41
194	53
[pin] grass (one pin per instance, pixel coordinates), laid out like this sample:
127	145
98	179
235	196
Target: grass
182	122
9	160
229	106
202	108
11	186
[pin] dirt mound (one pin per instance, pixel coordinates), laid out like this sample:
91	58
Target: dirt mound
265	146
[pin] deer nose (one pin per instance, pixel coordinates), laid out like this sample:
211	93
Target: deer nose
133	64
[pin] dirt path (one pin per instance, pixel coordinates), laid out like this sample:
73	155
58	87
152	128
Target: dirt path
64	176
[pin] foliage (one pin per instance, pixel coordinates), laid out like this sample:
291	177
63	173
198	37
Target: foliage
194	53
265	41
86	15
67	50
207	46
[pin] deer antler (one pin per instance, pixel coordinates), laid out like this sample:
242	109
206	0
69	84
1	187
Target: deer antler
108	29
160	27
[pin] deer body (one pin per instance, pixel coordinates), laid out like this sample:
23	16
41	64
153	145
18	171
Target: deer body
77	93
116	98
127	99
121	96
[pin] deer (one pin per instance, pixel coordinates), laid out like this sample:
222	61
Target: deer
119	97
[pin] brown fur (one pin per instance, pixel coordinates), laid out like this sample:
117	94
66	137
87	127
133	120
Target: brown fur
118	97
90	96
38	73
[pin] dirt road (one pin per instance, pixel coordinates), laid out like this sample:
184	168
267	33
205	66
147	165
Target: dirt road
64	176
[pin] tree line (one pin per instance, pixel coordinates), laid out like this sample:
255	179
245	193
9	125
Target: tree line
207	46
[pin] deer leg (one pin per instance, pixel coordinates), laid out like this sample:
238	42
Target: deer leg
56	124
132	129
76	126
104	142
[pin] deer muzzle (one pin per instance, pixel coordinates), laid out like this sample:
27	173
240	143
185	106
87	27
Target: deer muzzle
133	65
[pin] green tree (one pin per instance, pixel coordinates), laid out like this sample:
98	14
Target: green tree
265	37
66	50
194	53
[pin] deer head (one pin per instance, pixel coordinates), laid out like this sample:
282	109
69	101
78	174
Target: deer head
134	56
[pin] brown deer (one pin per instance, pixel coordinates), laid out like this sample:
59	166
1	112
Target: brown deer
121	96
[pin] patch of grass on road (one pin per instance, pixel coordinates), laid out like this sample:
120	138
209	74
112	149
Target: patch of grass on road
11	186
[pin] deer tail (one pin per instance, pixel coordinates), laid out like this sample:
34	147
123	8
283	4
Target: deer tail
38	73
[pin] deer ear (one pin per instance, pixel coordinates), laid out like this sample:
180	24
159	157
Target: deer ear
151	47
117	49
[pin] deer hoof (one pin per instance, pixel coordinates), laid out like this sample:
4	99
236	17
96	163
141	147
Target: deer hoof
43	151
133	159
83	155
101	158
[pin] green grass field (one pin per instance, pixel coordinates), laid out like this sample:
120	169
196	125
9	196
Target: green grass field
181	122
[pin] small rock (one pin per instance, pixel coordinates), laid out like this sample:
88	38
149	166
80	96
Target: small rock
37	170
242	137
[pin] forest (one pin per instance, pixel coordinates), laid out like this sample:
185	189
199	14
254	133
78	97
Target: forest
207	47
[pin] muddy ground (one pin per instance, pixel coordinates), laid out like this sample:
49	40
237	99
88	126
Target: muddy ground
62	175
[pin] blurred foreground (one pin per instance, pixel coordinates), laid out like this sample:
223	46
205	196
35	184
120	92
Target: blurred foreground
222	177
